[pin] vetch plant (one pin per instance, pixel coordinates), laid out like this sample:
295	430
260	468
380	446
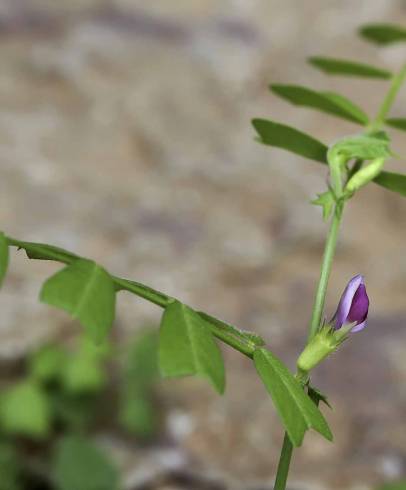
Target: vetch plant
188	337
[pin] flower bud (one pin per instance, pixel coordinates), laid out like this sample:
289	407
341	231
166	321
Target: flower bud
364	175
353	306
351	316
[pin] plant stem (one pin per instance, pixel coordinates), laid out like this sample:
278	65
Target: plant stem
327	262
387	103
331	241
284	464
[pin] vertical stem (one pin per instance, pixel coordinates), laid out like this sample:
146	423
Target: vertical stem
327	262
397	81
331	241
284	463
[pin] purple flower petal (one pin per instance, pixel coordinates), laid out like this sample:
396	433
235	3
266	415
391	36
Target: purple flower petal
359	327
359	306
346	300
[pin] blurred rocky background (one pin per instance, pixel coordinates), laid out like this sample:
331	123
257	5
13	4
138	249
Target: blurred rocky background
125	136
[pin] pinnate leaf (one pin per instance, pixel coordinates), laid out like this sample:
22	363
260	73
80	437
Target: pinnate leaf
187	347
3	256
282	136
383	34
333	66
86	291
328	102
392	181
295	408
397	122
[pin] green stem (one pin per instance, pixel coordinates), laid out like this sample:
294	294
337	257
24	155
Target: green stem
284	464
327	262
387	103
331	241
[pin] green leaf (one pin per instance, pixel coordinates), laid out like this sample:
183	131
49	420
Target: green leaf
186	346
397	122
333	66
288	138
79	465
3	256
295	408
392	181
86	291
328	102
25	410
383	33
48	363
326	201
361	147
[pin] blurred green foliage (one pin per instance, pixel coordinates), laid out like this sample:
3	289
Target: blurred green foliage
49	415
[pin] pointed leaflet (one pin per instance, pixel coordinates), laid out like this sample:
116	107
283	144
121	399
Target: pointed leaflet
3	256
392	181
333	66
328	102
288	138
383	33
295	408
86	291
397	122
186	346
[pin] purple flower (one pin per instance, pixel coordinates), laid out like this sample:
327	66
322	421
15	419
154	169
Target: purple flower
353	306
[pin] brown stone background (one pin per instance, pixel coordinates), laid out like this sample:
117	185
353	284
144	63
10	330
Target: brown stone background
125	136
